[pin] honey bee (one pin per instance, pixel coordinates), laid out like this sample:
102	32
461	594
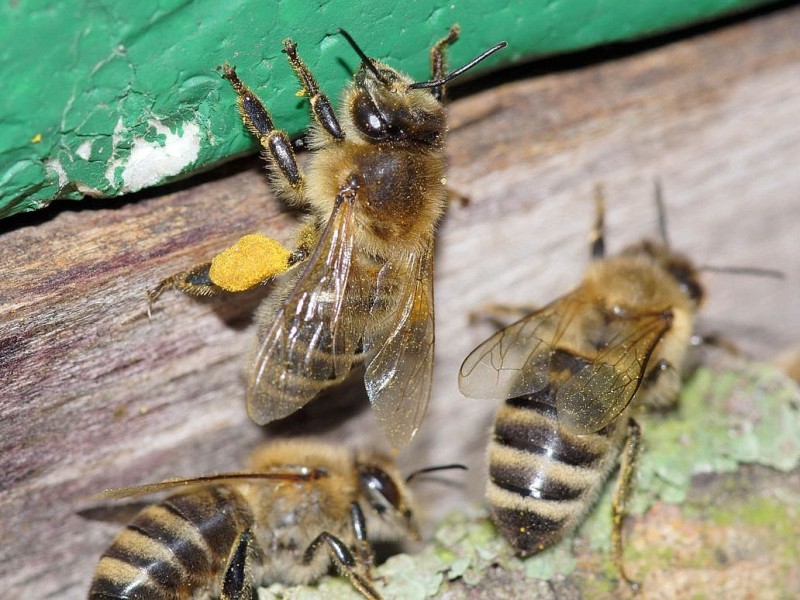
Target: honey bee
359	285
301	506
570	375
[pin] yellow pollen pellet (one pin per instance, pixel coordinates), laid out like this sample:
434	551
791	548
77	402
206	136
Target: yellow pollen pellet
250	261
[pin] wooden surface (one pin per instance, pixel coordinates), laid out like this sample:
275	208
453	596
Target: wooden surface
95	394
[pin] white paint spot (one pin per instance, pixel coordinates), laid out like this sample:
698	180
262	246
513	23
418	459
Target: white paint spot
88	190
85	150
150	163
113	163
54	165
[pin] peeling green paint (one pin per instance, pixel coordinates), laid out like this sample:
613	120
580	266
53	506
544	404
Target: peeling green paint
105	98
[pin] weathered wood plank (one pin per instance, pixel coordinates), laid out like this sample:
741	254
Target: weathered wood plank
96	394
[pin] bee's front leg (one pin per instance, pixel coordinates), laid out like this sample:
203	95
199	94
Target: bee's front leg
345	562
366	555
321	108
278	149
438	59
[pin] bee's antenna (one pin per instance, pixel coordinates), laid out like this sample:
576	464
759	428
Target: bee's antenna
597	241
662	227
662	211
415	474
364	58
450	76
756	271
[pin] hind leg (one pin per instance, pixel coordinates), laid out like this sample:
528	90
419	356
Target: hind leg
622	493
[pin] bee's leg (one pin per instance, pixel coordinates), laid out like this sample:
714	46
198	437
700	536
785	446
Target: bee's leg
250	262
237	581
194	281
264	258
321	108
662	382
619	504
438	64
500	316
657	373
716	340
345	562
366	556
278	148
662	211
597	238
456	197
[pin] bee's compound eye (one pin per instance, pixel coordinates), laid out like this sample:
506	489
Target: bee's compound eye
686	277
379	487
367	117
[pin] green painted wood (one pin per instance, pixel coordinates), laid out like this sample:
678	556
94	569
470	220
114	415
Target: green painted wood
106	98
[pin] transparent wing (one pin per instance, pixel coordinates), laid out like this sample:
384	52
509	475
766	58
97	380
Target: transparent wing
596	391
312	341
399	355
285	474
592	359
514	361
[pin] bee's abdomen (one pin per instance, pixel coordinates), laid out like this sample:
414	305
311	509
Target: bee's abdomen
173	549
543	479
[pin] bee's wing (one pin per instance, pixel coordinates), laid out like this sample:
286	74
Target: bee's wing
282	474
515	360
312	341
591	360
399	355
601	385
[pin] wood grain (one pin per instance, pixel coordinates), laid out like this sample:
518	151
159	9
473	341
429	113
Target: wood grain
95	394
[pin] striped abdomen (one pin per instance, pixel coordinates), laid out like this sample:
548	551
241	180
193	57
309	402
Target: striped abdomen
542	478
173	549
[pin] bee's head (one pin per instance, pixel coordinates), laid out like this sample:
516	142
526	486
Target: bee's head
390	513
680	268
385	109
687	276
388	106
683	271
